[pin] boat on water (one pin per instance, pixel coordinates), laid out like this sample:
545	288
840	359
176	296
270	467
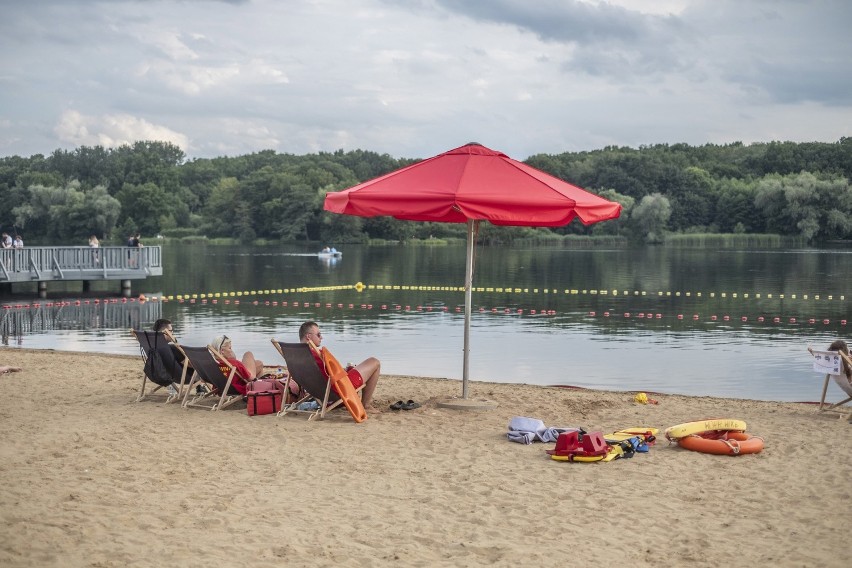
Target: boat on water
330	254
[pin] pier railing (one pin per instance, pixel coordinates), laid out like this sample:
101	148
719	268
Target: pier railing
43	264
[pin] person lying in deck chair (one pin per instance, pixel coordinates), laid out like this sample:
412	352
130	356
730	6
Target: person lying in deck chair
246	369
367	371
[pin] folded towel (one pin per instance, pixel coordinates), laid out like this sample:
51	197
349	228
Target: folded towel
525	430
521	437
551	434
524	424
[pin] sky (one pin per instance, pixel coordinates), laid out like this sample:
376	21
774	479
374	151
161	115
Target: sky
414	78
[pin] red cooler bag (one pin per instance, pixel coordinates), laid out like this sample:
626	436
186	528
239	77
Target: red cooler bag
264	396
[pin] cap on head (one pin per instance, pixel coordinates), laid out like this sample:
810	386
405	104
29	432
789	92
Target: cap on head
219	341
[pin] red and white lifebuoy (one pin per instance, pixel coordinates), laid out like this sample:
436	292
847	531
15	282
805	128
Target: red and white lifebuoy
725	444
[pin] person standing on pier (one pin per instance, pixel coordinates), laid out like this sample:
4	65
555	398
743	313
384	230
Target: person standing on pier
19	242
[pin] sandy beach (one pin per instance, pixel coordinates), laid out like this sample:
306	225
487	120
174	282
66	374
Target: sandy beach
92	478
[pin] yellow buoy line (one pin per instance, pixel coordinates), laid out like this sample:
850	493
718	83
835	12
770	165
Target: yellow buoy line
613	292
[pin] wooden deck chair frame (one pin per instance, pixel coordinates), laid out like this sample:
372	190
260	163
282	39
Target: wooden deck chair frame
302	368
841	381
218	396
145	345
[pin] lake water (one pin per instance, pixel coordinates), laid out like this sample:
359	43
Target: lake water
659	319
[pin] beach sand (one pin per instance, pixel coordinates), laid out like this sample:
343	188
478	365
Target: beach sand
92	478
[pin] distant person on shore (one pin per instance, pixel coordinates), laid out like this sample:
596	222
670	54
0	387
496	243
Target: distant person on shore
247	368
6	241
367	371
133	256
18	243
95	244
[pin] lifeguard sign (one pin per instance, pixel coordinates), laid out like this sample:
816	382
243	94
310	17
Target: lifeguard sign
827	362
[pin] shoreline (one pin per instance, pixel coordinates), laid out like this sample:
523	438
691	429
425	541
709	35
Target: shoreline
109	480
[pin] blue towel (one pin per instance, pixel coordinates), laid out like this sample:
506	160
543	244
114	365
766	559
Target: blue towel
525	430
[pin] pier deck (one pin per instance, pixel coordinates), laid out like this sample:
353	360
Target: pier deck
46	264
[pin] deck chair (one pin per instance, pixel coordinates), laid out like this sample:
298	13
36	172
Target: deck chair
150	340
831	363
220	393
303	368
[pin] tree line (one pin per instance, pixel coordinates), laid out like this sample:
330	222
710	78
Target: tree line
777	188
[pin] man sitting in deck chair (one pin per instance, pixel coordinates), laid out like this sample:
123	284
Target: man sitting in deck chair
366	372
165	326
165	371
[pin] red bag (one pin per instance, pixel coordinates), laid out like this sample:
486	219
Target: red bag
264	396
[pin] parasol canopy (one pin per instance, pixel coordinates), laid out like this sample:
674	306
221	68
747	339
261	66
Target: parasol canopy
470	184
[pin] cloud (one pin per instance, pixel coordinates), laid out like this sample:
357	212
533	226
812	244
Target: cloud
112	130
415	77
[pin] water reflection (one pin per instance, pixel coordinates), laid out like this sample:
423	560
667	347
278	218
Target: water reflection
46	318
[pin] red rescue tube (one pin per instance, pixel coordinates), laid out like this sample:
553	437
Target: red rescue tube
729	444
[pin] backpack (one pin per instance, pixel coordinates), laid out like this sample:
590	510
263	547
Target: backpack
155	369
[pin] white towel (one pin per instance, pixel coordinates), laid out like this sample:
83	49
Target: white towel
525	430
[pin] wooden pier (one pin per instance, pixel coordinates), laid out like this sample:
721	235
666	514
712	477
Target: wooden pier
50	264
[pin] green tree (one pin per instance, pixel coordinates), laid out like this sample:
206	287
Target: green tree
67	214
650	218
147	203
615	226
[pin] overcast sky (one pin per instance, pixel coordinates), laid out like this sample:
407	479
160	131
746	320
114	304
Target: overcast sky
414	78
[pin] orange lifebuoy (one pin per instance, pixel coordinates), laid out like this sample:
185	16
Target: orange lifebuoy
728	444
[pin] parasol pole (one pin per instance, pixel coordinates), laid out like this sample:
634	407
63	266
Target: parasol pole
472	227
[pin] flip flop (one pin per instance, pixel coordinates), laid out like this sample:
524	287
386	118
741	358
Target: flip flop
410	405
398	405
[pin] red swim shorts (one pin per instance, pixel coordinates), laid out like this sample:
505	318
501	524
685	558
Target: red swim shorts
355	377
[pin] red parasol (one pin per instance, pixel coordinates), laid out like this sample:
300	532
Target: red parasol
467	185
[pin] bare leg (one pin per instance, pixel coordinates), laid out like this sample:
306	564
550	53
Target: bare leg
254	367
8	369
370	370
